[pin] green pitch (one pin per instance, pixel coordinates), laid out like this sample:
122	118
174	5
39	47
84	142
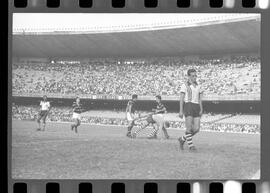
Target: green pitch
103	152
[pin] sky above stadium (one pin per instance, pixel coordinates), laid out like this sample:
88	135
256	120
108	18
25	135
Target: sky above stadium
66	21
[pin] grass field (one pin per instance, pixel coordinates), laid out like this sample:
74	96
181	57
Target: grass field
103	152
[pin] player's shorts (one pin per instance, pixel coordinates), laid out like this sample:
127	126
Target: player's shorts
129	117
159	119
43	114
76	116
191	109
150	119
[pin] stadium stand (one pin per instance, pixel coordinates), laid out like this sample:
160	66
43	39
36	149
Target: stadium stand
123	77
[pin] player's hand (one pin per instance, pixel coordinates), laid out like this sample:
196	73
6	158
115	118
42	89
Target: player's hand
181	115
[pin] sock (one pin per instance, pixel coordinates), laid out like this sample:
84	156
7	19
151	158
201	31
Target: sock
189	140
184	138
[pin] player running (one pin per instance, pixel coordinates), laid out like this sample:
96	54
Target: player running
77	110
156	119
191	107
44	111
130	114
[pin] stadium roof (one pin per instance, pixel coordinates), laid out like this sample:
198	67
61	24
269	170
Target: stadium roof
148	35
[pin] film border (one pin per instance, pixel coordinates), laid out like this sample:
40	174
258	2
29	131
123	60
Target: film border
163	8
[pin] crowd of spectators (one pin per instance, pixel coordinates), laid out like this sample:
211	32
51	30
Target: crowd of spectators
147	77
64	114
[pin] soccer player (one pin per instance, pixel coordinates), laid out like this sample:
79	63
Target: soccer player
44	111
156	119
77	110
148	121
130	114
190	107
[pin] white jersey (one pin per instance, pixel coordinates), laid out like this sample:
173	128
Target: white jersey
45	105
192	93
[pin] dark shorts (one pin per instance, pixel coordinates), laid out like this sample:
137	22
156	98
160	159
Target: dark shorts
42	114
150	119
191	109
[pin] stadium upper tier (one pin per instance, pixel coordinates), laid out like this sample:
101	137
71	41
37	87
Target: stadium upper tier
222	79
177	36
79	24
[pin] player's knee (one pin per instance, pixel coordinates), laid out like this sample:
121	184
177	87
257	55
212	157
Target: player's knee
189	130
196	128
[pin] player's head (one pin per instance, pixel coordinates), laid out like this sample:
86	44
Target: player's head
44	97
158	98
78	99
192	75
134	97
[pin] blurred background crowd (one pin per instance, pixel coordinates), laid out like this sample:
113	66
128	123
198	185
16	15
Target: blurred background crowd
147	77
64	114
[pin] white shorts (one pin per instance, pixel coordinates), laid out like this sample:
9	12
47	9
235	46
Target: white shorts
76	116
129	117
159	119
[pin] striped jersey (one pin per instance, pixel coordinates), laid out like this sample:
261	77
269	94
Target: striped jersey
77	108
192	92
131	104
160	108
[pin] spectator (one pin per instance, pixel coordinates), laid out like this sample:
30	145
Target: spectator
64	114
218	77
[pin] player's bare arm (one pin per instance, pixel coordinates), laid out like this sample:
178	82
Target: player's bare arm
181	104
200	102
130	111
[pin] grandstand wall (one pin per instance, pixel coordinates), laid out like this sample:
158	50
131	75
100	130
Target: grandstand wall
243	107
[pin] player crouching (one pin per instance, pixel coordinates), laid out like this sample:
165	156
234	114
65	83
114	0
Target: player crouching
130	114
156	119
77	110
44	111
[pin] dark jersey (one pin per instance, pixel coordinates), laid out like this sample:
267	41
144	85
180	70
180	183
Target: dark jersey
77	108
131	104
160	108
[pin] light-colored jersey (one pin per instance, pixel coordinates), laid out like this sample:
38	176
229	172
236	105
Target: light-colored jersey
192	93
131	104
45	105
